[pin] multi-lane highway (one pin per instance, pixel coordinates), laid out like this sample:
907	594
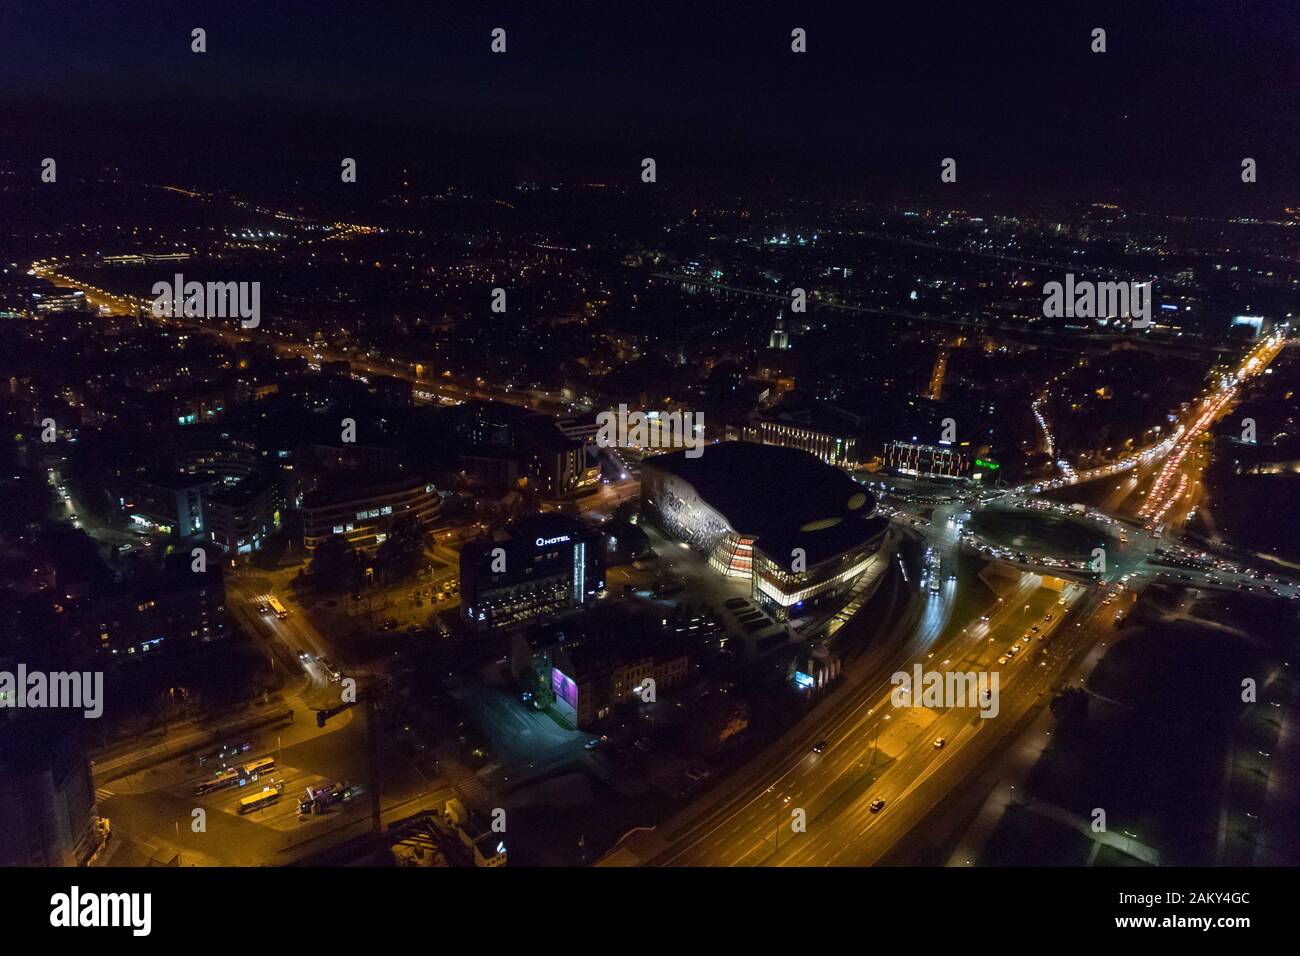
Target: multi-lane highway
847	790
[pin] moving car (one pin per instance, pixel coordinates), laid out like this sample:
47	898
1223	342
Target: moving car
876	805
819	746
939	742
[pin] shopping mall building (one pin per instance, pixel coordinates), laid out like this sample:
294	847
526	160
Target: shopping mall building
803	532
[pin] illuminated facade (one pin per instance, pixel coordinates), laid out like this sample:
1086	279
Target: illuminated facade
241	518
531	570
927	461
364	514
803	533
831	447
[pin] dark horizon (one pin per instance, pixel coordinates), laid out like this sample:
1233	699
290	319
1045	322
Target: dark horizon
1161	121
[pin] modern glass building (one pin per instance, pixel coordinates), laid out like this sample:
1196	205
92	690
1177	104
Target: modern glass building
802	531
532	569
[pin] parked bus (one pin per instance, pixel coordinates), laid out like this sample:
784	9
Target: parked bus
321	797
258	767
230	777
257	801
276	607
224	753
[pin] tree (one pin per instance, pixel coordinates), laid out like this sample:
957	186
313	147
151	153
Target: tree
402	553
334	566
543	692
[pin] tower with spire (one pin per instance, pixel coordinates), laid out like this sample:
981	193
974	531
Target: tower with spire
779	339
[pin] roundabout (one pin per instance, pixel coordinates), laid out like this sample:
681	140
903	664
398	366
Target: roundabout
1045	534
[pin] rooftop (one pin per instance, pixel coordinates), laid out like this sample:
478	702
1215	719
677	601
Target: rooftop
783	497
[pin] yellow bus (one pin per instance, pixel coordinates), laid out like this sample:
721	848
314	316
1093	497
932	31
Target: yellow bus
263	765
276	607
257	801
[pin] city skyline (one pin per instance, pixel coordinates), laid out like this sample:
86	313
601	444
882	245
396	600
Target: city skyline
662	437
1162	119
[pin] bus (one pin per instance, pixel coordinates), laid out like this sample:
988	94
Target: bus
223	753
258	767
933	569
230	777
321	797
257	801
276	607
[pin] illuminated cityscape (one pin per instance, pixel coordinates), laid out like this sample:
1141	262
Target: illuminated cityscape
477	460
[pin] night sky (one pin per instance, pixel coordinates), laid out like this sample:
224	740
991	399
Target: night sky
711	90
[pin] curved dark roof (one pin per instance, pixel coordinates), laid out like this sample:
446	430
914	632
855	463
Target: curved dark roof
784	497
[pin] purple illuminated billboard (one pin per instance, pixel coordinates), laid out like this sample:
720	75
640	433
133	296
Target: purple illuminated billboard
565	689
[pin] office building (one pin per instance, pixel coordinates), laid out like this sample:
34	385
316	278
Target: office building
364	512
919	460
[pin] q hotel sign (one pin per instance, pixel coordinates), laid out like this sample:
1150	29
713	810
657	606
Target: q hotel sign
544	542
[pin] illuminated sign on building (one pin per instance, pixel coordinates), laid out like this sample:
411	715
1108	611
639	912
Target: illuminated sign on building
908	458
564	687
543	542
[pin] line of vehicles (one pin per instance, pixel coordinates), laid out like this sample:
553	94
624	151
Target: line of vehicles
1035	633
237	776
316	801
436	593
